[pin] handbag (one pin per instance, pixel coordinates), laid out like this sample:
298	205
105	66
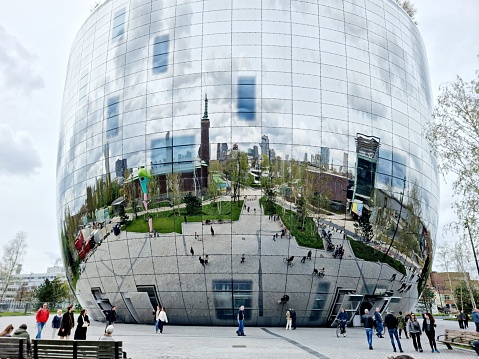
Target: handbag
85	325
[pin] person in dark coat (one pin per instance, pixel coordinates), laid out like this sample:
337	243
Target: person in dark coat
82	325
428	327
368	322
67	323
391	323
293	318
110	316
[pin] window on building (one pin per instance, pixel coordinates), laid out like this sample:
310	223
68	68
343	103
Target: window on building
230	295
320	300
246	98
112	116
118	28
161	46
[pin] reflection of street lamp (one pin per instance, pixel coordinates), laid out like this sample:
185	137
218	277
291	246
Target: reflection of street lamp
466	224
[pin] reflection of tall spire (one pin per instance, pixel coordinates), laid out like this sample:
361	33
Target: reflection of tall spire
205	115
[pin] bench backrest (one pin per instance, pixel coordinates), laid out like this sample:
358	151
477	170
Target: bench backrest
454	333
76	349
13	347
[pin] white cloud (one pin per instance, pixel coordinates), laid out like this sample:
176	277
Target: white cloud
18	155
17	66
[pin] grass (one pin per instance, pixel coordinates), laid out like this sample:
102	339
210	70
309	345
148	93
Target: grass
170	221
307	236
363	251
15	314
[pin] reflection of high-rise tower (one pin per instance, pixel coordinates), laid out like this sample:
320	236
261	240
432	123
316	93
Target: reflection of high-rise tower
264	145
106	155
204	151
367	152
221	151
120	167
345	162
324	155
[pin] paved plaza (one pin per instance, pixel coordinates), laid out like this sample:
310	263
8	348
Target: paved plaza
182	342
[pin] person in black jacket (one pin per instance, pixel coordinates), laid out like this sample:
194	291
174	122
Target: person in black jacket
428	326
392	323
110	316
368	322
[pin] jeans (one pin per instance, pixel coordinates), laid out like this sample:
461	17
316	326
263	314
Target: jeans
156	326
394	333
369	335
380	328
240	327
40	326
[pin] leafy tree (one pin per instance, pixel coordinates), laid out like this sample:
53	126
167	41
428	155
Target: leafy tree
53	292
13	255
363	227
454	140
193	203
463	297
427	298
174	187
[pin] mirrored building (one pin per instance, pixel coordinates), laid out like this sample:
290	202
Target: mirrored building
219	153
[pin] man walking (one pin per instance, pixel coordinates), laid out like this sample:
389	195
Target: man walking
392	323
240	317
293	318
110	316
41	318
475	318
379	323
367	320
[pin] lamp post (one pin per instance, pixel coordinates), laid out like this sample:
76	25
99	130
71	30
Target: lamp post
466	224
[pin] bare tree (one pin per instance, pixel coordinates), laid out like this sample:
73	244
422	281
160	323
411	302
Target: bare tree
13	254
408	6
443	255
459	255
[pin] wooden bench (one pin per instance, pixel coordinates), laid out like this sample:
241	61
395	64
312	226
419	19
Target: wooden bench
13	348
76	349
459	337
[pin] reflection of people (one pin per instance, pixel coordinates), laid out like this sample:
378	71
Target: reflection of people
212	231
284	299
82	325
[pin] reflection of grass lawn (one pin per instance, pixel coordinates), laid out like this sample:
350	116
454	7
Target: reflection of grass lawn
307	237
167	222
363	251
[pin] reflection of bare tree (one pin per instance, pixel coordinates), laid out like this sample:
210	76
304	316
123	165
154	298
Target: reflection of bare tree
174	187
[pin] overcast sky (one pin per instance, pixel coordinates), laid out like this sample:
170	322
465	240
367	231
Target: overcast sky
35	41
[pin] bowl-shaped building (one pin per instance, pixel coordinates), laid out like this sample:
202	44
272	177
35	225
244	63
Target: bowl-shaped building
270	154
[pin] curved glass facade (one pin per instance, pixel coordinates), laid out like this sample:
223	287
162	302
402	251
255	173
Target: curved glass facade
203	144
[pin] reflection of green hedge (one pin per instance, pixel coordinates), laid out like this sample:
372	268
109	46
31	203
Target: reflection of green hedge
363	251
167	222
308	237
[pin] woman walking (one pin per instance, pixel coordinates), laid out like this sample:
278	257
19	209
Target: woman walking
82	325
156	313
414	329
67	323
401	324
428	326
162	319
56	323
289	319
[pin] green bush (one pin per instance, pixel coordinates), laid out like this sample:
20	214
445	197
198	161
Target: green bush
363	251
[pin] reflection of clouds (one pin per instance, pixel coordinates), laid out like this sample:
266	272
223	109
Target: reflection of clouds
17	66
18	155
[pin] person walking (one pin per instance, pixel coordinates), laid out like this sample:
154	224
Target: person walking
156	313
162	319
379	323
475	318
240	318
41	318
67	323
310	254
401	325
428	327
460	319
289	320
414	330
466	321
368	322
110	316
56	323
392	323
82	325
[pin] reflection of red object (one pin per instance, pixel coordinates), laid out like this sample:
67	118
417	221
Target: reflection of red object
80	236
78	243
87	245
82	253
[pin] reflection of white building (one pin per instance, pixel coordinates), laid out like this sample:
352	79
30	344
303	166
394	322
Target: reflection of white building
280	74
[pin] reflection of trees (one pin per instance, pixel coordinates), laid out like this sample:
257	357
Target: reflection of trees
69	231
174	187
101	195
236	169
363	226
427	298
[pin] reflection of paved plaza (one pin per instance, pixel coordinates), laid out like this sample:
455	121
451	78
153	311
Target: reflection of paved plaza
181	342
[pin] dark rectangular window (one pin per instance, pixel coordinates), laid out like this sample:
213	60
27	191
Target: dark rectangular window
118	27
160	53
230	295
112	116
246	98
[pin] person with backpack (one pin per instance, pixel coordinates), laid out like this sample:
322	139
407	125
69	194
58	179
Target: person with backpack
414	330
401	325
